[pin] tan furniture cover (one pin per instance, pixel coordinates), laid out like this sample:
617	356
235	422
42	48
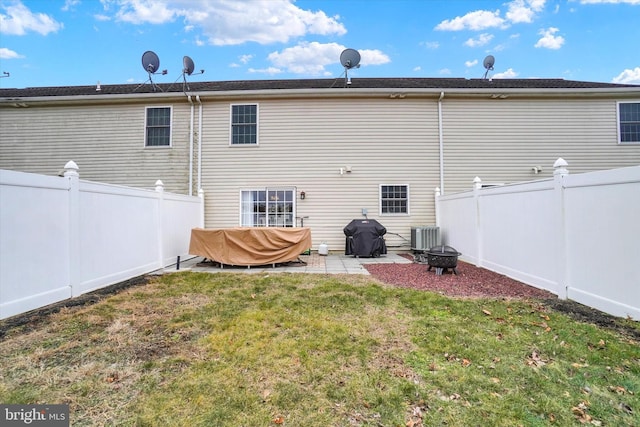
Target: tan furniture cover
250	245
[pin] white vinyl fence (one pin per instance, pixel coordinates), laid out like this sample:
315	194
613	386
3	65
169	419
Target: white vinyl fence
61	237
577	236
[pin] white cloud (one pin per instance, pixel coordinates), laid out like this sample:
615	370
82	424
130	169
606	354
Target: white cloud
270	70
69	4
481	40
509	74
445	72
549	40
477	20
470	63
418	68
518	11
143	11
312	58
245	58
19	20
628	77
9	54
430	45
232	22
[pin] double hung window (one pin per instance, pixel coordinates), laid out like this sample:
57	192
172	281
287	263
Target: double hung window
629	122
271	207
158	127
244	124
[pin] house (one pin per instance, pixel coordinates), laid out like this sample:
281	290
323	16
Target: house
321	152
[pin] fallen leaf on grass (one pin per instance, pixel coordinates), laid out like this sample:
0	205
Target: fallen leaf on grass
619	390
535	360
278	420
487	312
626	408
466	362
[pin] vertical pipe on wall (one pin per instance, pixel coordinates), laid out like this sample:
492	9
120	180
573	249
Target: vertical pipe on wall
441	141
199	142
191	148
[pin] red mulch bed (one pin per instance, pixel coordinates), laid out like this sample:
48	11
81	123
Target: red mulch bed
471	281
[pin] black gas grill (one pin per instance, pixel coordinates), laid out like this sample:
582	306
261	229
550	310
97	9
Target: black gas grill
364	238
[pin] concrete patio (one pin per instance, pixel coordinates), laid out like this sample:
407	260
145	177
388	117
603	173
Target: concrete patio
314	263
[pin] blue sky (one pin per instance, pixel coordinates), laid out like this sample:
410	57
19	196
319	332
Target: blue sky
82	42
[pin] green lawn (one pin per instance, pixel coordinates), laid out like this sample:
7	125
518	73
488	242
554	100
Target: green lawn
198	349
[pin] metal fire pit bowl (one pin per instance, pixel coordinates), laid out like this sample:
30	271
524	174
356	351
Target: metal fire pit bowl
442	257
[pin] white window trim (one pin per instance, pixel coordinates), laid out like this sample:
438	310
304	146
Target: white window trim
293	189
408	213
153	147
231	144
630	101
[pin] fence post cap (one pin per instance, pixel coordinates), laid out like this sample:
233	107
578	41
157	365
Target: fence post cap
159	185
71	168
560	167
560	163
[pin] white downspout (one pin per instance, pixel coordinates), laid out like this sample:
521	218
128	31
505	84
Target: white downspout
441	140
191	147
199	142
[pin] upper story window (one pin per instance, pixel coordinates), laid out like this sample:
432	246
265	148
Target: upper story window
244	124
158	127
394	199
629	122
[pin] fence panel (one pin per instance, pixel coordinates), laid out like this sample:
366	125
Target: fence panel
119	229
34	241
575	235
603	240
61	237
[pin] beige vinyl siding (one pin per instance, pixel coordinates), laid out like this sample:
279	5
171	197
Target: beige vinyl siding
304	143
501	140
107	143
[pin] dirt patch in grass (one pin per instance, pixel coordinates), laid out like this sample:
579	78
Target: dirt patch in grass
35	317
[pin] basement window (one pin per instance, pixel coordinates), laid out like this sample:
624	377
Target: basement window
158	127
394	199
629	122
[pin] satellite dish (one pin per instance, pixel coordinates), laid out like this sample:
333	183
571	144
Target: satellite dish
350	58
151	64
150	61
488	64
188	65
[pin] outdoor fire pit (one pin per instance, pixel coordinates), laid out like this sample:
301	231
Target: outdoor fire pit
442	257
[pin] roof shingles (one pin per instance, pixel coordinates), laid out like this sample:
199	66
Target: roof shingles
356	83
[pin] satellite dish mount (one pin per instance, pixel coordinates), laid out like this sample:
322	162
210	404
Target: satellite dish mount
488	63
349	58
151	64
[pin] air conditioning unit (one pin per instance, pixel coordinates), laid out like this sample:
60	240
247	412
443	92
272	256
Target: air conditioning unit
424	238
